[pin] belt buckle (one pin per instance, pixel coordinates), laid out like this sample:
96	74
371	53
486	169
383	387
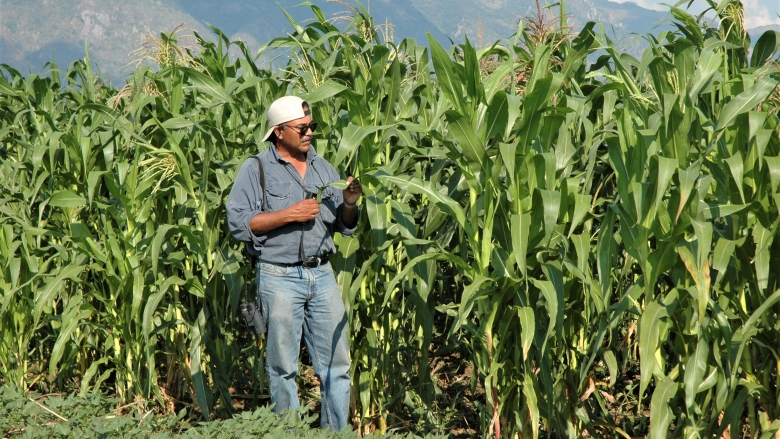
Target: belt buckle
311	262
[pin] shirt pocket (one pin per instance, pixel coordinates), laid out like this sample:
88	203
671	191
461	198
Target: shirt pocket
280	196
328	211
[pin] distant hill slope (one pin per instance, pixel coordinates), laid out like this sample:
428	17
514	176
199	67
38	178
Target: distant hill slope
757	32
499	18
36	31
258	23
33	32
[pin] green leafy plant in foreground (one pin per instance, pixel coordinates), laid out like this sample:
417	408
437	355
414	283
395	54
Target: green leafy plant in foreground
97	416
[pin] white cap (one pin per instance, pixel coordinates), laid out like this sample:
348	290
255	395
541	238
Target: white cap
283	110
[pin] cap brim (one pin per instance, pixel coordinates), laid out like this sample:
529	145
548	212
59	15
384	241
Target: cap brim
268	134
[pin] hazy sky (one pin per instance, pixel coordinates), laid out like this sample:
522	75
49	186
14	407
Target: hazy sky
757	12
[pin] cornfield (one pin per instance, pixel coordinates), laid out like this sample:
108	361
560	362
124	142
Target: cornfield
590	228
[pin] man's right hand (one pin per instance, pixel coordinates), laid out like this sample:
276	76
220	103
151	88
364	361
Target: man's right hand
301	212
304	211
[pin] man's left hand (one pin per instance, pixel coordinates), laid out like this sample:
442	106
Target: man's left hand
353	191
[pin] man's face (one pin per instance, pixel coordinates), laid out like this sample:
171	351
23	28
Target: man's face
295	136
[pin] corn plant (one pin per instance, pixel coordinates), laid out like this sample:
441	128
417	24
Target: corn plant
125	200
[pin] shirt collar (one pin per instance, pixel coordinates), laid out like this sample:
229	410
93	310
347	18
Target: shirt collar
276	158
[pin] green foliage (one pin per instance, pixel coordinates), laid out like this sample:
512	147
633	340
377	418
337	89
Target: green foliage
571	224
97	416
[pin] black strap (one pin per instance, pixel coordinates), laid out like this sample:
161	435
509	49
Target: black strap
261	173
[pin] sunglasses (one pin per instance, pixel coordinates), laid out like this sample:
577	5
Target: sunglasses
302	129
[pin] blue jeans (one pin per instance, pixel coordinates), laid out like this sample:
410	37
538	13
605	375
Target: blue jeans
308	300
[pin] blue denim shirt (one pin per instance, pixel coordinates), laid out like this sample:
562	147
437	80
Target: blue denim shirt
285	188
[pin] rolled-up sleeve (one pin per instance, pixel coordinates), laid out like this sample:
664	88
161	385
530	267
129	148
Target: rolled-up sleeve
243	203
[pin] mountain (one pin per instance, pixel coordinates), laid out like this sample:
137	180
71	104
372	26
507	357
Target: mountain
499	18
33	32
756	32
260	22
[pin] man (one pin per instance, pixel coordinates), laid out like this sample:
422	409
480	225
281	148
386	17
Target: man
291	236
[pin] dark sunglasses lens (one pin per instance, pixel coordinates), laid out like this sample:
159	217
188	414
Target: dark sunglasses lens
312	127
